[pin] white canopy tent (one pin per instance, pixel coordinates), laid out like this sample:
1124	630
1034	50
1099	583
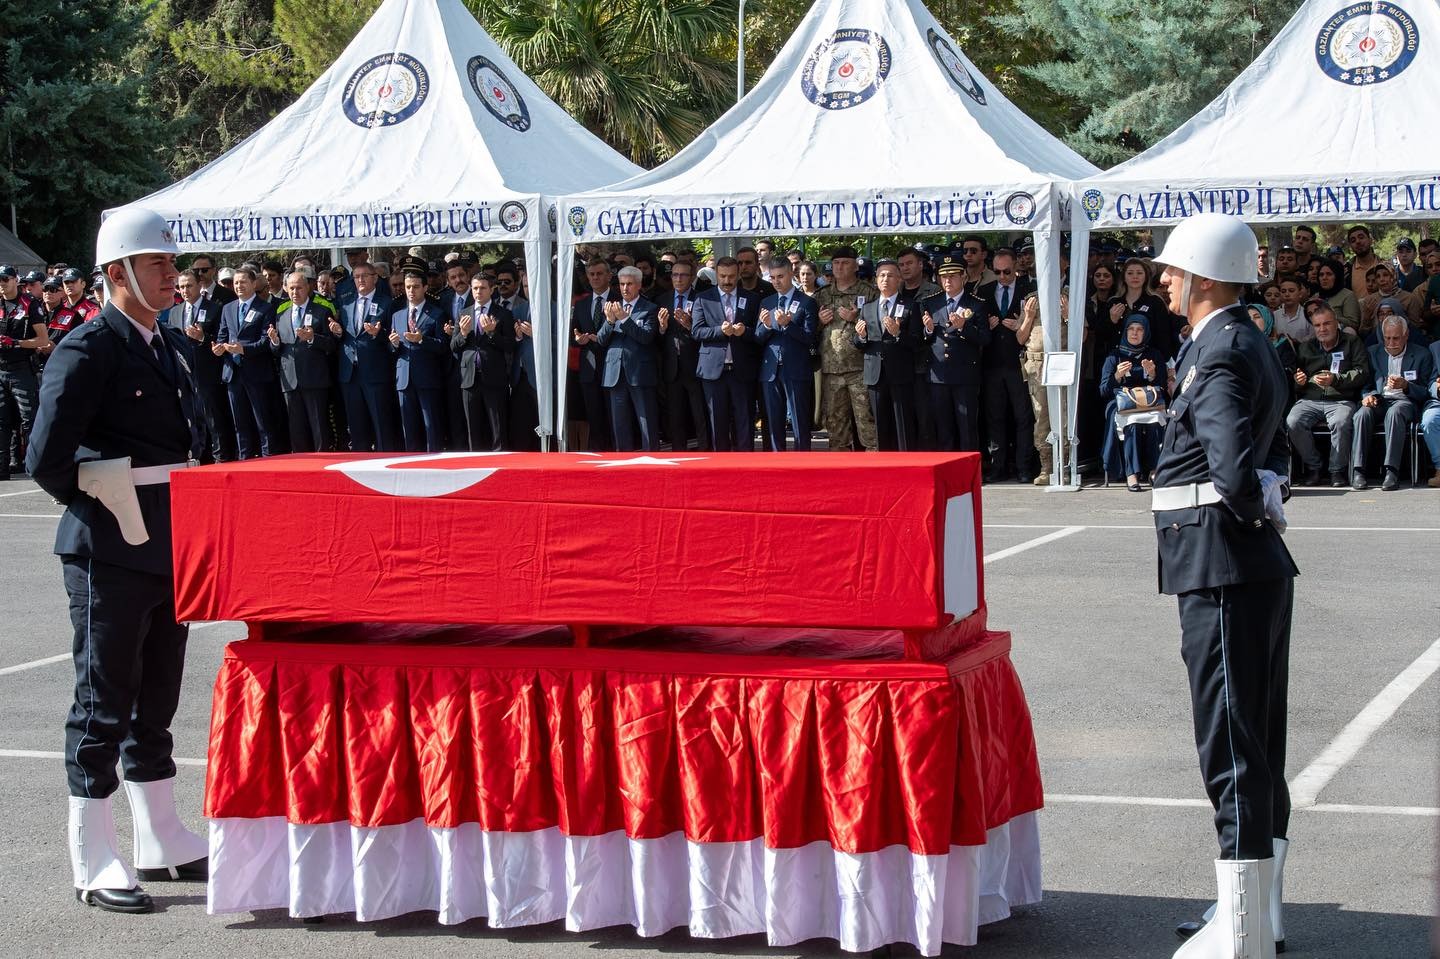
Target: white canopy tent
870	120
423	131
1336	120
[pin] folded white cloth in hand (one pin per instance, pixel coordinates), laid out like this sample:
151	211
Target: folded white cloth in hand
1270	484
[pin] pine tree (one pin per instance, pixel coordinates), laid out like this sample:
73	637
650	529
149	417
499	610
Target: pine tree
77	126
1132	71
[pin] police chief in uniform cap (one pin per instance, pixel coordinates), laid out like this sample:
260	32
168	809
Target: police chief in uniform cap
956	327
1221	554
118	414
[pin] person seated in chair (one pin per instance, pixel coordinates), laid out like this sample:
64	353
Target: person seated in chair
1332	370
1133	380
1398	391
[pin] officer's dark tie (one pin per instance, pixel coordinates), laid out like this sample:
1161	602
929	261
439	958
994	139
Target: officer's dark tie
162	355
1004	300
1184	348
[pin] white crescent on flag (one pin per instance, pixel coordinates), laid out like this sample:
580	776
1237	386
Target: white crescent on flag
378	474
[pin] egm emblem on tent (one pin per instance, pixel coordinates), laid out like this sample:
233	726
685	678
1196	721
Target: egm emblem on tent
845	70
1092	202
950	62
386	90
1367	43
550	216
513	216
498	94
576	220
1020	208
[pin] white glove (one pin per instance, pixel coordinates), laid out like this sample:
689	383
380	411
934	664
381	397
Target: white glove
1270	485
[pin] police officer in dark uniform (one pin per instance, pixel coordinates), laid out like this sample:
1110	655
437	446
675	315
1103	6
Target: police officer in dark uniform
118	414
22	336
1221	554
956	327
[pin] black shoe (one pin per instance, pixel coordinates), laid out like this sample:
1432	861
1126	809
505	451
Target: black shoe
1027	479
1133	487
1357	481
1391	482
1337	480
1310	478
117	900
197	871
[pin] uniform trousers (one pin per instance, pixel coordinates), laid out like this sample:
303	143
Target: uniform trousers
17	385
924	434
129	658
524	416
957	416
848	418
1235	642
422	417
308	411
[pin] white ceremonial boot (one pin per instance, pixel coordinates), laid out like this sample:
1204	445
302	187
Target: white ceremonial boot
1277	897
1240	927
164	848
101	877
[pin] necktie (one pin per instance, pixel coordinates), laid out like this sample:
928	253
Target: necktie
362	312
1004	300
188	308
412	319
955	305
729	317
298	317
157	344
628	308
599	313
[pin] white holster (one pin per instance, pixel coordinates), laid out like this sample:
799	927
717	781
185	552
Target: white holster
111	482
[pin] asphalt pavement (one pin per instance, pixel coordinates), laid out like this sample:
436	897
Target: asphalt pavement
1126	834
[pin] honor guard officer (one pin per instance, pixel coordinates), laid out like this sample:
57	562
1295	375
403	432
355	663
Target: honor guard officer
118	414
1222	556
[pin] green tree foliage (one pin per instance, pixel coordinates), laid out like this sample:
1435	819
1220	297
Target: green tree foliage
1131	71
640	74
77	126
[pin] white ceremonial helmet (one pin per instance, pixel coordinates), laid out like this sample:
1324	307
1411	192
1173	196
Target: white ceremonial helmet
1215	246
131	232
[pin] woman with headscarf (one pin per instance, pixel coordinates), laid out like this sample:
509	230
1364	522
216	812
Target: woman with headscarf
1264	320
1133	378
1331	277
1103	335
1135	296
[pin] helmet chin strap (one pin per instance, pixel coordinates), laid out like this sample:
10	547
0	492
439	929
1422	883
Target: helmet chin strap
1184	294
135	287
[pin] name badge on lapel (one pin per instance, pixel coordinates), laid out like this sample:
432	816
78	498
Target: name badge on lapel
1189	378
740	303
1409	375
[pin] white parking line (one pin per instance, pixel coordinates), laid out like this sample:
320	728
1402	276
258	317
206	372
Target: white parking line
1292	529
1032	543
22	492
48	660
31	515
1342	808
1305	788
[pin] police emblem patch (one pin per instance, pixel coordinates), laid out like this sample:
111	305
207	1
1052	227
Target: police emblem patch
498	94
576	219
954	68
513	216
1189	378
550	217
386	90
1092	202
1367	43
845	70
1020	208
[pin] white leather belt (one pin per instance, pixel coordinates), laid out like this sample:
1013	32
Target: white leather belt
1183	497
152	475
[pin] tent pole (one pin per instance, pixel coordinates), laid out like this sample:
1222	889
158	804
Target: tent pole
1079	279
740	53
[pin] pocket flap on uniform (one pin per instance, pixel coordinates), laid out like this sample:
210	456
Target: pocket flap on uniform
1178	518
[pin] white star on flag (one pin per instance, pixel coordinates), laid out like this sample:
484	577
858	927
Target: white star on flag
650	461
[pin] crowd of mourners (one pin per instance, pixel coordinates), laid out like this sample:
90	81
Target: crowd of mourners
939	348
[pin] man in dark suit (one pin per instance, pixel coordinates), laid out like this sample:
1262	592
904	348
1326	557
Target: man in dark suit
118	413
1221	555
679	356
1007	401
243	345
587	315
524	385
483	340
729	366
198	318
915	289
455	299
301	338
418	341
957	328
630	376
786	334
203	266
366	366
888	333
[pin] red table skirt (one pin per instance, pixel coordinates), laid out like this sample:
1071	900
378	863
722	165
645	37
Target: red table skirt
613	785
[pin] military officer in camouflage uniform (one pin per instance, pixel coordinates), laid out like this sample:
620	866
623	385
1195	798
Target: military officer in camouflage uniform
843	400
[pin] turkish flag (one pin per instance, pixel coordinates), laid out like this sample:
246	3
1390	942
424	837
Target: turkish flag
792	539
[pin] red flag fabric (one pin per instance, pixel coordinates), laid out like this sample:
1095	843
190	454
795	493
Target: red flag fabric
857	540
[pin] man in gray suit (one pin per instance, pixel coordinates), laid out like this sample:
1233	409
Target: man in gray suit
629	372
302	339
888	333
